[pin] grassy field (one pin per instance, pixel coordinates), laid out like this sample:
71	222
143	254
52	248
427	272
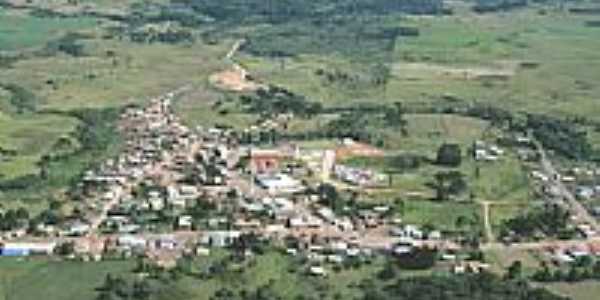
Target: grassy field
500	260
98	80
43	279
442	215
434	64
30	136
19	30
587	290
426	133
285	277
205	107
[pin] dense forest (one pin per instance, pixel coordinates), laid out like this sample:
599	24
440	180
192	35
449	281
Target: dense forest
281	11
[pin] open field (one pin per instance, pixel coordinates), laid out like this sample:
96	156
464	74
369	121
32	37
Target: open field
19	30
43	279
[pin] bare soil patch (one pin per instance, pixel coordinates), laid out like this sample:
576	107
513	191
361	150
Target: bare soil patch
236	80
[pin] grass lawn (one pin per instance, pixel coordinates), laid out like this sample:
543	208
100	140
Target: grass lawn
43	279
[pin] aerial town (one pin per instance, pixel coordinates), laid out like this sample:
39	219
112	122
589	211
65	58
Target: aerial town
177	191
144	200
299	150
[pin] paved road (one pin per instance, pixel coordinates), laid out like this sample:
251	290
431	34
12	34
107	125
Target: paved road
575	206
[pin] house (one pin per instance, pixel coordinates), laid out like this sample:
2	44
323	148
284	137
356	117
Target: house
351	148
185	222
220	238
579	251
562	257
357	176
129	228
202	251
131	241
434	235
78	228
402	249
540	176
334	258
156	203
317	271
265	161
470	267
178	197
408	231
166	242
584	192
279	183
326	214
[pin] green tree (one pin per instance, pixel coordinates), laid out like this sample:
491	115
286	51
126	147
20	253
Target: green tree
449	155
515	270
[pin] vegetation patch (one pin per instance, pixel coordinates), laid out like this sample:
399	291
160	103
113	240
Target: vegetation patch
96	139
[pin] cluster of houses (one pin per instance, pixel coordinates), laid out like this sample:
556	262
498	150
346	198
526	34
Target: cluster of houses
483	151
570	254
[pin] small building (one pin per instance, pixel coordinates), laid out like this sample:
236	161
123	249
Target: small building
26	249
